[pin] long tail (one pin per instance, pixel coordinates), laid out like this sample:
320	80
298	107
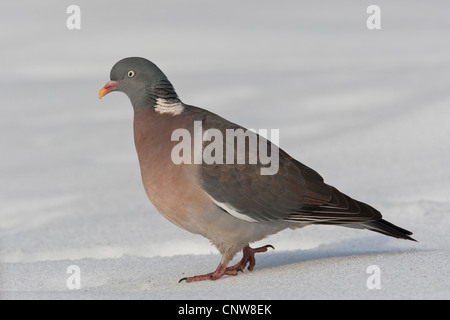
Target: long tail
389	229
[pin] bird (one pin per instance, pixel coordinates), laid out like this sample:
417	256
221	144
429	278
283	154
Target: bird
231	203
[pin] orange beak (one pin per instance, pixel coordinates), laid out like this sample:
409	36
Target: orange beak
109	86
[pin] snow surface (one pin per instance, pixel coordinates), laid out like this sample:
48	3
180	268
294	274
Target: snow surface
369	110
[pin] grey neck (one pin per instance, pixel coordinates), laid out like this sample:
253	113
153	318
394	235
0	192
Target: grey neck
162	89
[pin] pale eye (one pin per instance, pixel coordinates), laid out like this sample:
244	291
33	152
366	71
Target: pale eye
131	74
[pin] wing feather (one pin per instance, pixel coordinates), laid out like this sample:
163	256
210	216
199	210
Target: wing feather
295	193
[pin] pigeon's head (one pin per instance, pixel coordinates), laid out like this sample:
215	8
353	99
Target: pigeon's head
140	79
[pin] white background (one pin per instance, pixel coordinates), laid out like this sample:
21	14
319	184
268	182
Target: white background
369	110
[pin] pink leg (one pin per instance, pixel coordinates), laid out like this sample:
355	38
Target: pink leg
217	274
248	257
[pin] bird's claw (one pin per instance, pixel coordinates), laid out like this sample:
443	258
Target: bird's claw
248	258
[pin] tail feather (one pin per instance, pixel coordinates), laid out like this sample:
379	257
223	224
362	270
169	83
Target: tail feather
389	229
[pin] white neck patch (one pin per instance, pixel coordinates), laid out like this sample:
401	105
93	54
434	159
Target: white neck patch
164	106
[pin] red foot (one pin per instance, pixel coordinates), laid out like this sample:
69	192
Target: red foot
248	257
220	271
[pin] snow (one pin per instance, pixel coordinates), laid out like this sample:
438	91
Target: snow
369	110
